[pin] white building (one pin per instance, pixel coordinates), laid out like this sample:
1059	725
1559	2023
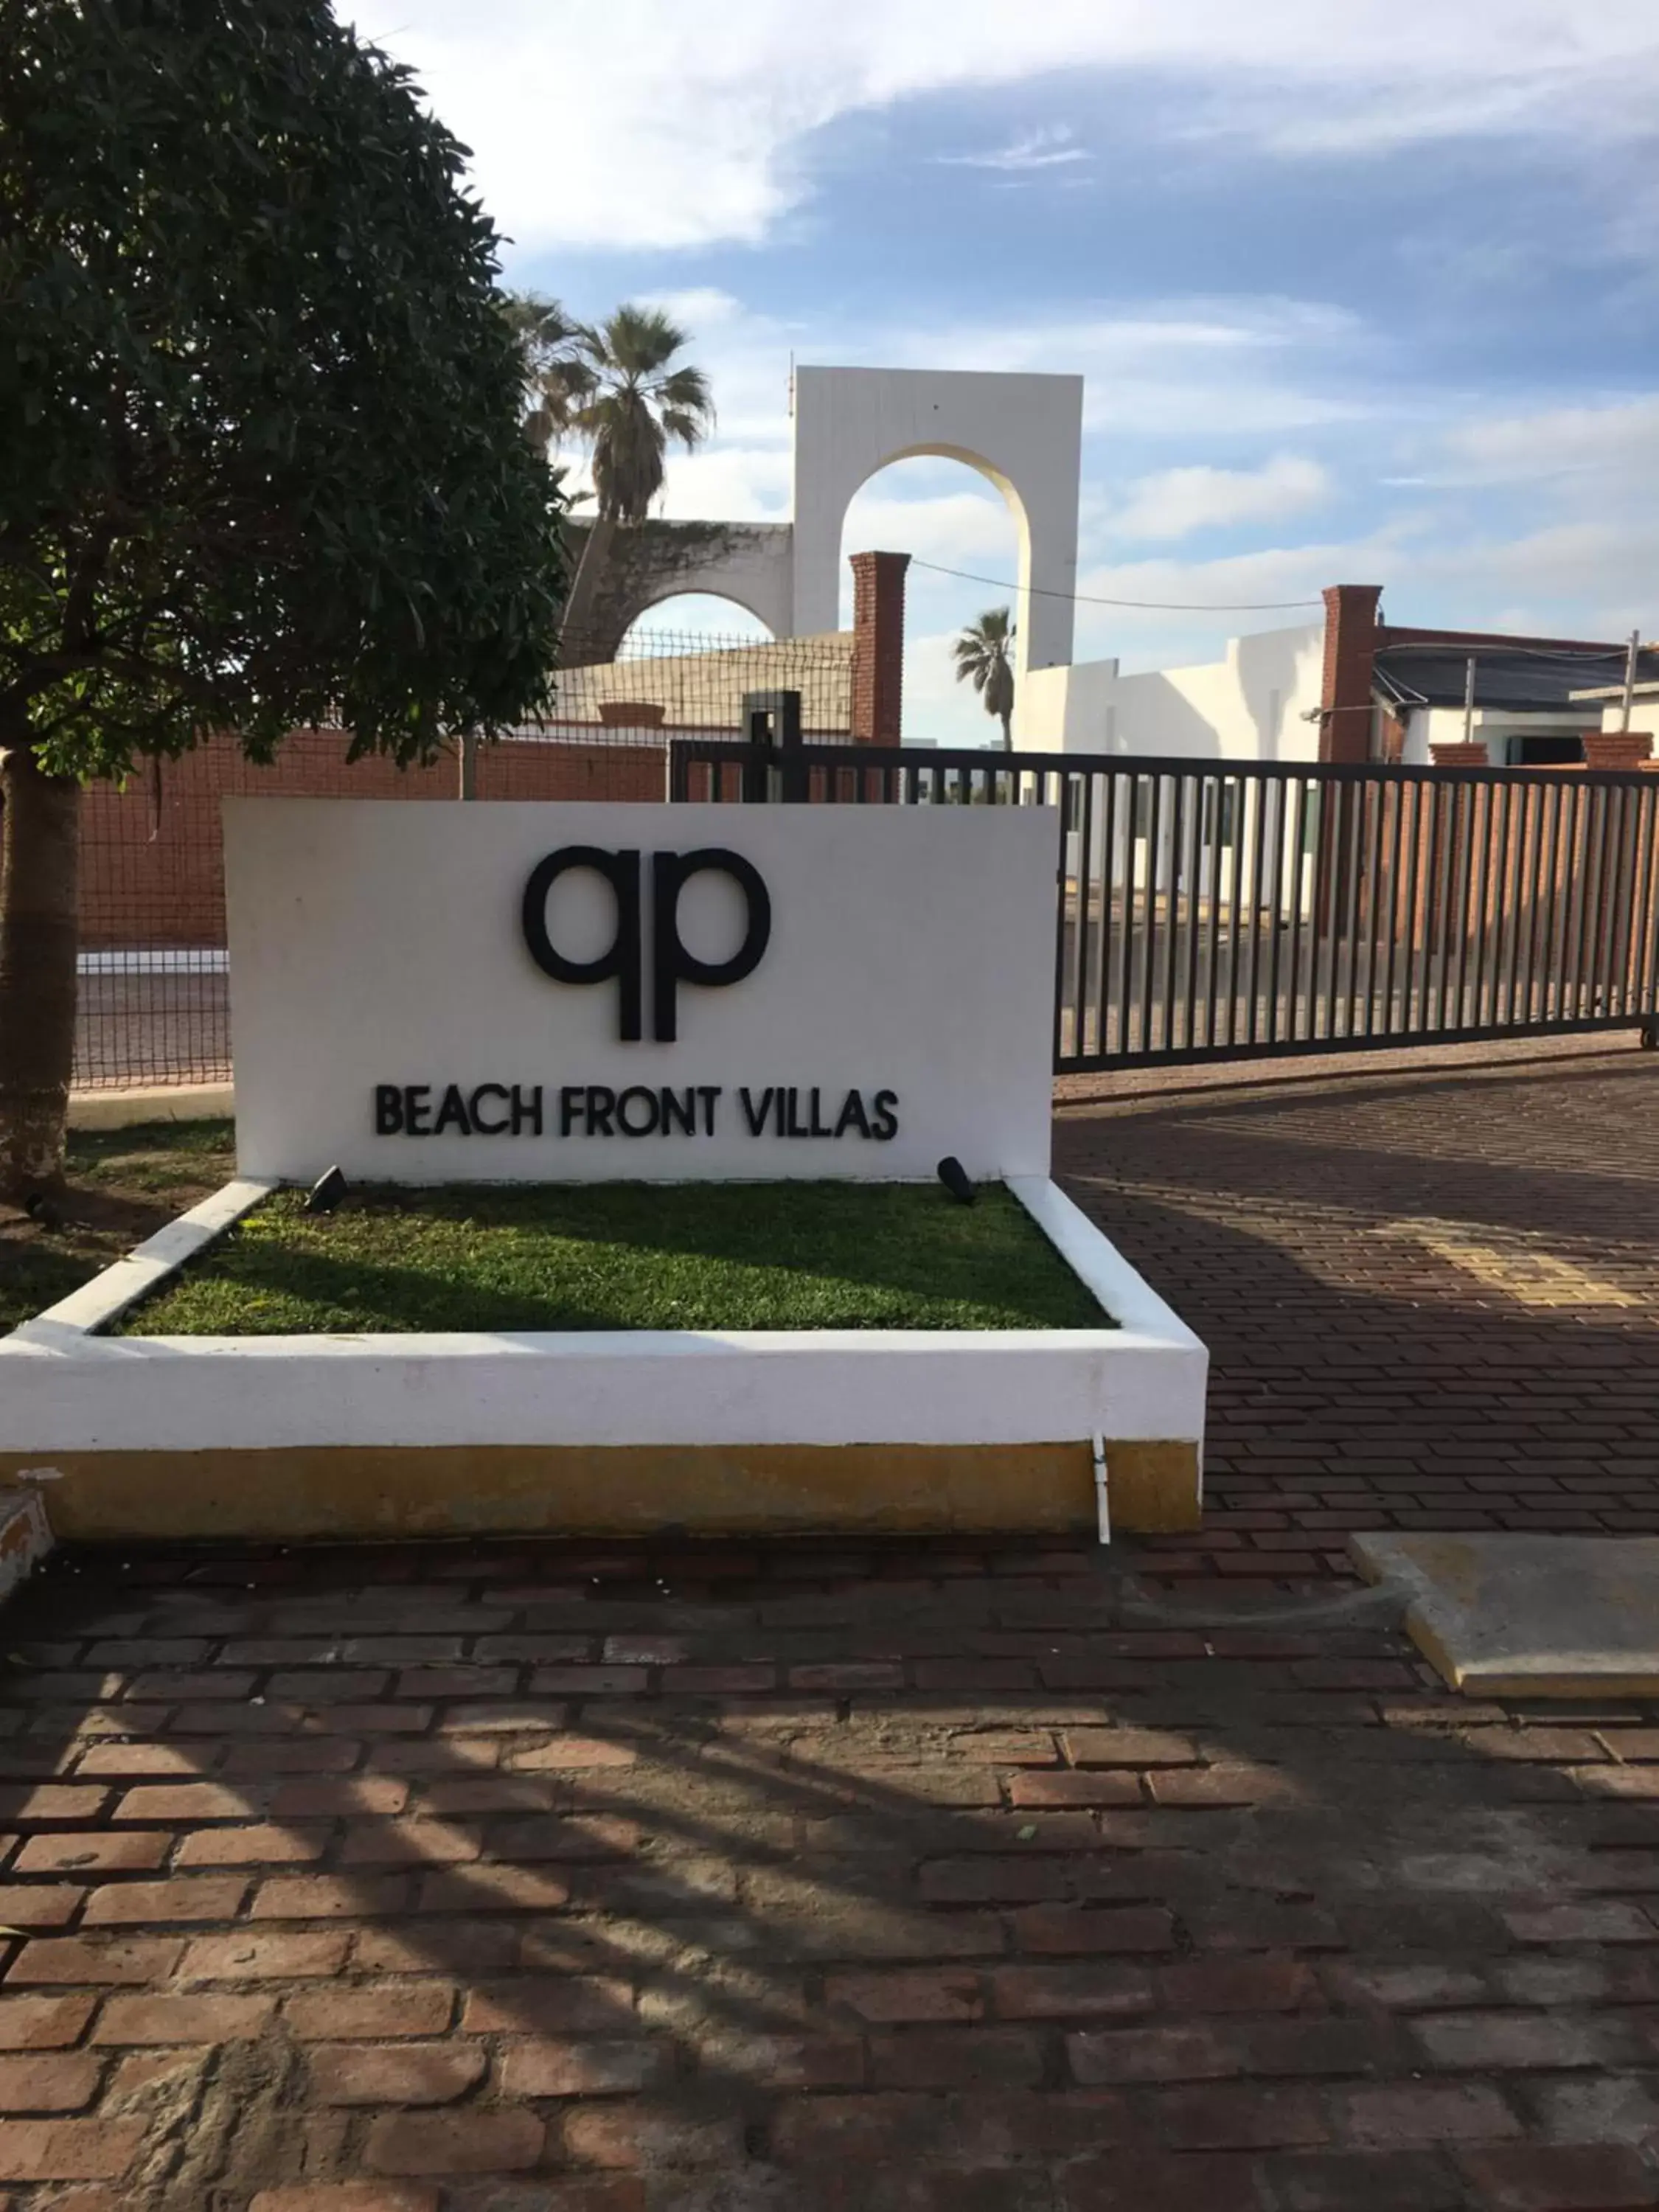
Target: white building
1258	701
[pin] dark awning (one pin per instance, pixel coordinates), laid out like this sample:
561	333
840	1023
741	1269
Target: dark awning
1513	679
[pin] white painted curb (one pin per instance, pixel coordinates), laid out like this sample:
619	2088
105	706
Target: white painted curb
109	1294
64	1391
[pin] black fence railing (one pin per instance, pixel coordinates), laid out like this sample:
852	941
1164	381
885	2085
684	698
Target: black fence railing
1237	909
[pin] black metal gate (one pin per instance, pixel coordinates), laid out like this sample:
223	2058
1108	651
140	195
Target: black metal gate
1246	909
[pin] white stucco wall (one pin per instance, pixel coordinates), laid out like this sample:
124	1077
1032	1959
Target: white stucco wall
1023	433
1248	705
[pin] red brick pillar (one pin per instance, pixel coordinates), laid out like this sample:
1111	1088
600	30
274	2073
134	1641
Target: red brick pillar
1345	704
878	646
1619	749
1459	755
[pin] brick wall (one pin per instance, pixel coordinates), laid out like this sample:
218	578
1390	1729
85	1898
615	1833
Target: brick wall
152	874
1351	636
879	648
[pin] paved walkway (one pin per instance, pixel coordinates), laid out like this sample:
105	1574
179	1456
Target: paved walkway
1429	1284
932	1879
924	1878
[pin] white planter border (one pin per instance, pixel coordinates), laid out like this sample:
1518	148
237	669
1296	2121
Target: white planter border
109	1294
66	1390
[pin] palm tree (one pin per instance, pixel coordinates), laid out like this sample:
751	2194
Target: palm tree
981	653
557	379
628	401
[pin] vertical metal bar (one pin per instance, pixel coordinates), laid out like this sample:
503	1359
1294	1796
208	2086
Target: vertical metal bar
1606	877
1552	997
1085	787
1496	916
1353	842
1172	905
1194	886
1255	910
1613	900
1434	917
1614	903
1059	944
1397	789
1235	905
1375	791
1648	805
1447	889
1219	844
1639	881
1127	988
1418	917
1298	848
1523	886
1149	906
1585	844
1275	897
1107	845
1463	818
1577	870
1651	905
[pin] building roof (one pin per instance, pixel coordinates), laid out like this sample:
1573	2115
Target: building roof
1513	679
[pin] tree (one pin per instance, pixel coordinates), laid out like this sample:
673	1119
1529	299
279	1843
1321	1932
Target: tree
636	402
261	456
981	653
555	377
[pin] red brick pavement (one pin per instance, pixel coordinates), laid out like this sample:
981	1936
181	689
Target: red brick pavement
1429	1286
520	1879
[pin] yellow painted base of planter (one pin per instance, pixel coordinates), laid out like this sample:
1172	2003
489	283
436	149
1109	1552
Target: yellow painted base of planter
359	1491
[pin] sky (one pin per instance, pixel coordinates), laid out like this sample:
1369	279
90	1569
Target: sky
1361	294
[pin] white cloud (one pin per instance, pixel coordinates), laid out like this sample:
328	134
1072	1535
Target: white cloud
648	123
1038	149
1175	502
1620	437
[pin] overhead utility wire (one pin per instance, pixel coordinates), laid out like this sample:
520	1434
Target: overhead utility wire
1153	606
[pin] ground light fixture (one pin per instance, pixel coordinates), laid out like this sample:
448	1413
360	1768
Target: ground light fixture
326	1192
955	1178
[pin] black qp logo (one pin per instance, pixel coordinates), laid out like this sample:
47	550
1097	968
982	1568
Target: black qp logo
672	962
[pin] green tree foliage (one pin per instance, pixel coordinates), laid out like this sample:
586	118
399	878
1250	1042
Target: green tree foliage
980	653
557	379
261	460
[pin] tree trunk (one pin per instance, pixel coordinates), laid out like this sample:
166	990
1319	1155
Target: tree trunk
39	867
575	630
1007	720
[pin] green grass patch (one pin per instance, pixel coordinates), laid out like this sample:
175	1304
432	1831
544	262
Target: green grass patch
628	1255
122	1185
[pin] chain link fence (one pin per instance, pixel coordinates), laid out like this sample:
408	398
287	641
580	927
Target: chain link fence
154	989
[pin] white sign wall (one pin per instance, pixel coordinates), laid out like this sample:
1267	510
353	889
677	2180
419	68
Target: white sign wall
432	992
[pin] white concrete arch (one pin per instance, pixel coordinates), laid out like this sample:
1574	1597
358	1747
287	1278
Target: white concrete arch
1023	433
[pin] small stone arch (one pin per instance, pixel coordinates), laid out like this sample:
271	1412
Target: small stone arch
722	589
747	562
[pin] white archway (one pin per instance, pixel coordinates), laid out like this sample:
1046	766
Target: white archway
1024	433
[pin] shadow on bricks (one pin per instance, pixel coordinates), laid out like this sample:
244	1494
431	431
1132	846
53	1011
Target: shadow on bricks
526	1878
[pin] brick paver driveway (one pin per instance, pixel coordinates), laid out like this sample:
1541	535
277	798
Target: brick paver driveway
937	1877
1429	1284
928	1880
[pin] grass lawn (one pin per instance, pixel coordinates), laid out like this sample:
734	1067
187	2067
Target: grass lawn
124	1185
628	1255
